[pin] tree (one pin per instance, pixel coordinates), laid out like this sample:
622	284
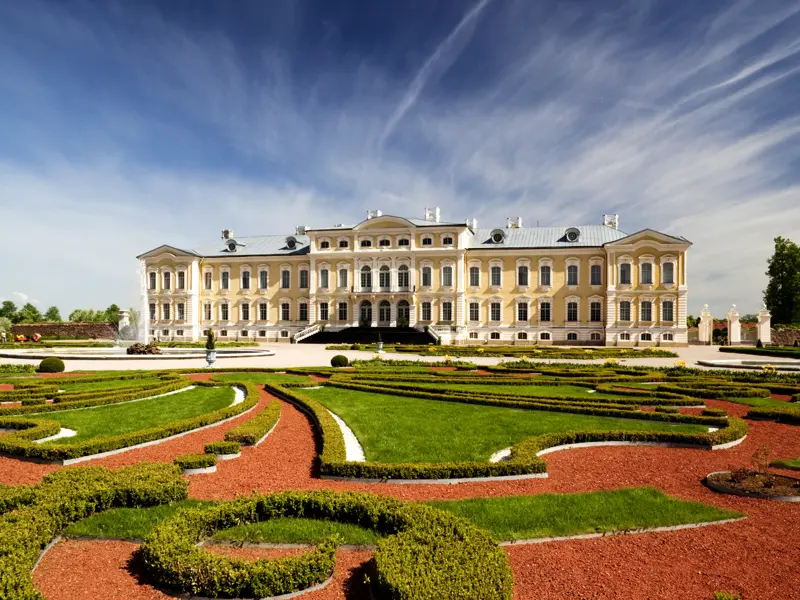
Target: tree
52	315
8	310
749	318
112	313
692	322
29	314
782	295
5	324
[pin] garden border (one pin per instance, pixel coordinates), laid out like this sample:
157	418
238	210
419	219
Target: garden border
723	489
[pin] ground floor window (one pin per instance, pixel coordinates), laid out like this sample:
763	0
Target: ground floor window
495	335
596	337
473	335
668	337
244	333
223	333
572	336
522	335
646	337
284	334
285	311
544	336
625	337
165	333
262	333
179	333
304	312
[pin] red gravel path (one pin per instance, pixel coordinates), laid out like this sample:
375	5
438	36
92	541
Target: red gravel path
6	387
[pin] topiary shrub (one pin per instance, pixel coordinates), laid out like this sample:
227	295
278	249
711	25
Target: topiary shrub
355	347
195	461
759	344
222	448
52	364
714	412
796	344
339	361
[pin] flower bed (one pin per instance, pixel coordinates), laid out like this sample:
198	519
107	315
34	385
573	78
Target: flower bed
754	484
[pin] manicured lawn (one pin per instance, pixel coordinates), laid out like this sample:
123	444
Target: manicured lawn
262	378
757	401
75	384
397	429
787	463
126	417
508	518
543	391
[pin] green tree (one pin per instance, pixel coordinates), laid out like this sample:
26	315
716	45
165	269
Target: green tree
782	295
112	313
5	324
749	318
29	314
52	315
8	310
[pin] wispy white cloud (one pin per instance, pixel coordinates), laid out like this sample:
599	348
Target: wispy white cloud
25	298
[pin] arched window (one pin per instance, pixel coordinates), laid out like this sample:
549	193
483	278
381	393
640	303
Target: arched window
495	335
366	243
427	241
447	241
384	311
384	278
624	310
668	272
403	242
572	336
323	278
522	335
572	275
427	276
167	280
668	337
596	337
343	278
324	245
366	278
447	276
646	311
344	244
647	273
596	275
625	336
544	336
402	276
384	243
646	337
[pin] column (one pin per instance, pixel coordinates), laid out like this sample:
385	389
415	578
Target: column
393	313
734	327
143	325
764	325
194	300
393	287
706	327
374	301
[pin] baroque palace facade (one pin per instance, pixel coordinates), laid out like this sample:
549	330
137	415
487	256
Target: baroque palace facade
587	285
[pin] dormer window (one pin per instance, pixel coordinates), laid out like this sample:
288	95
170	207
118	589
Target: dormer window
447	241
324	245
498	236
291	242
427	241
231	246
403	242
384	243
366	243
572	235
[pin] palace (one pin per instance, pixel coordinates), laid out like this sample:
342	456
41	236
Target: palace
585	285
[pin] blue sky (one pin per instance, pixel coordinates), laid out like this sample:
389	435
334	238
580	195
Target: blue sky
124	125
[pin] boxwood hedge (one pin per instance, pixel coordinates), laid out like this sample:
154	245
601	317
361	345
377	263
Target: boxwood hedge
252	430
195	461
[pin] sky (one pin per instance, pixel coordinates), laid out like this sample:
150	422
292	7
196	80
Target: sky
125	125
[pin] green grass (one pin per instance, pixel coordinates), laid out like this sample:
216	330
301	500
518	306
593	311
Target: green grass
507	518
127	417
787	463
262	378
756	401
543	391
397	429
75	384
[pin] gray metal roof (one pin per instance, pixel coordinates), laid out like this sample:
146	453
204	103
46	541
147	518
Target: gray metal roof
259	245
548	237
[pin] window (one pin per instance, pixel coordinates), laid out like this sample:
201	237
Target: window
572	336
544	312
647	273
624	311
522	311
646	311
474	276
427	276
181	316
403	242
285	279
165	311
448	241
544	275
223	333
474	311
646	337
473	335
426	311
226	280
447	276
285	311
344	244
384	243
323	278
303	311
668	337
496	274
572	275
447	311
495	312
625	274
165	332
595	312
262	311
152	284
596	275
323	311
284	333
223	309
152	312
343	311
343	278
366	243
522	335
427	241
207	311
668	272
384	277
324	245
495	335
244	333
167	280
402	276
262	333
625	337
544	336
245	310
179	332
366	278
522	275
207	280
667	311
304	279
245	280
181	280
572	311
596	337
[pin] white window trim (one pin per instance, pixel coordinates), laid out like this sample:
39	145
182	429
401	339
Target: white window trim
258	314
382	238
567	300
422	265
596	261
522	262
546	332
653	309
305	301
452	236
647	259
539	302
242	269
262	269
619	310
591	299
623	260
324	239
422	301
452	265
479	265
544	262
404	237
474	300
249	302
281	302
668	258
207	269
489	302
441	303
344	239
228	304
178	270
527	302
154	270
365	238
285	267
674	301
572	332
572	262
424	237
164	271
495	262
320	268
224	269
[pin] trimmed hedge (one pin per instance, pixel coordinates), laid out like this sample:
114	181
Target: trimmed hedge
51	364
37	515
252	430
340	360
668	409
195	461
714	412
789	414
222	448
775	351
428	554
17	369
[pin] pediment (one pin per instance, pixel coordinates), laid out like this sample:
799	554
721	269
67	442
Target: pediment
166	251
647	237
384	222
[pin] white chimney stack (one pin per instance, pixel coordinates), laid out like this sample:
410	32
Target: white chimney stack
371	214
227	234
514	222
300	229
611	221
432	214
472	223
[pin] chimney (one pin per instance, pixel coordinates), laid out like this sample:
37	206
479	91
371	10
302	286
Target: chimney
432	214
300	229
611	221
514	222
472	224
371	214
227	234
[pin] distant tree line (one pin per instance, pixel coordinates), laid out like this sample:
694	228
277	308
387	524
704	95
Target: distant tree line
11	315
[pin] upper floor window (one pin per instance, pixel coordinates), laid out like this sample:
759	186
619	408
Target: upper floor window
285	279
286	311
223	311
303	279
427	276
402	276
181	316
366	243
624	311
496	273
324	245
343	278
323	311
303	311
447	241
495	312
647	273
522	275
522	311
625	273
262	311
245	280
384	243
245	310
207	311
167	280
181	280
596	275
595	312
323	278
263	280
544	275
385	277
226	280
646	311
152	312
667	311
165	310
447	276
152	283
366	278
427	241
403	242
447	311
426	311
207	276
572	275
474	311
544	312
344	244
668	272
572	311
474	276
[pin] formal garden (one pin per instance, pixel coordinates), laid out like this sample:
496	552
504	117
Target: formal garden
399	480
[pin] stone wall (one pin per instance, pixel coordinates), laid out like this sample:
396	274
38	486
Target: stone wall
67	330
785	337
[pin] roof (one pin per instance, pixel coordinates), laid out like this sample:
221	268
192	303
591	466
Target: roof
548	237
259	245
